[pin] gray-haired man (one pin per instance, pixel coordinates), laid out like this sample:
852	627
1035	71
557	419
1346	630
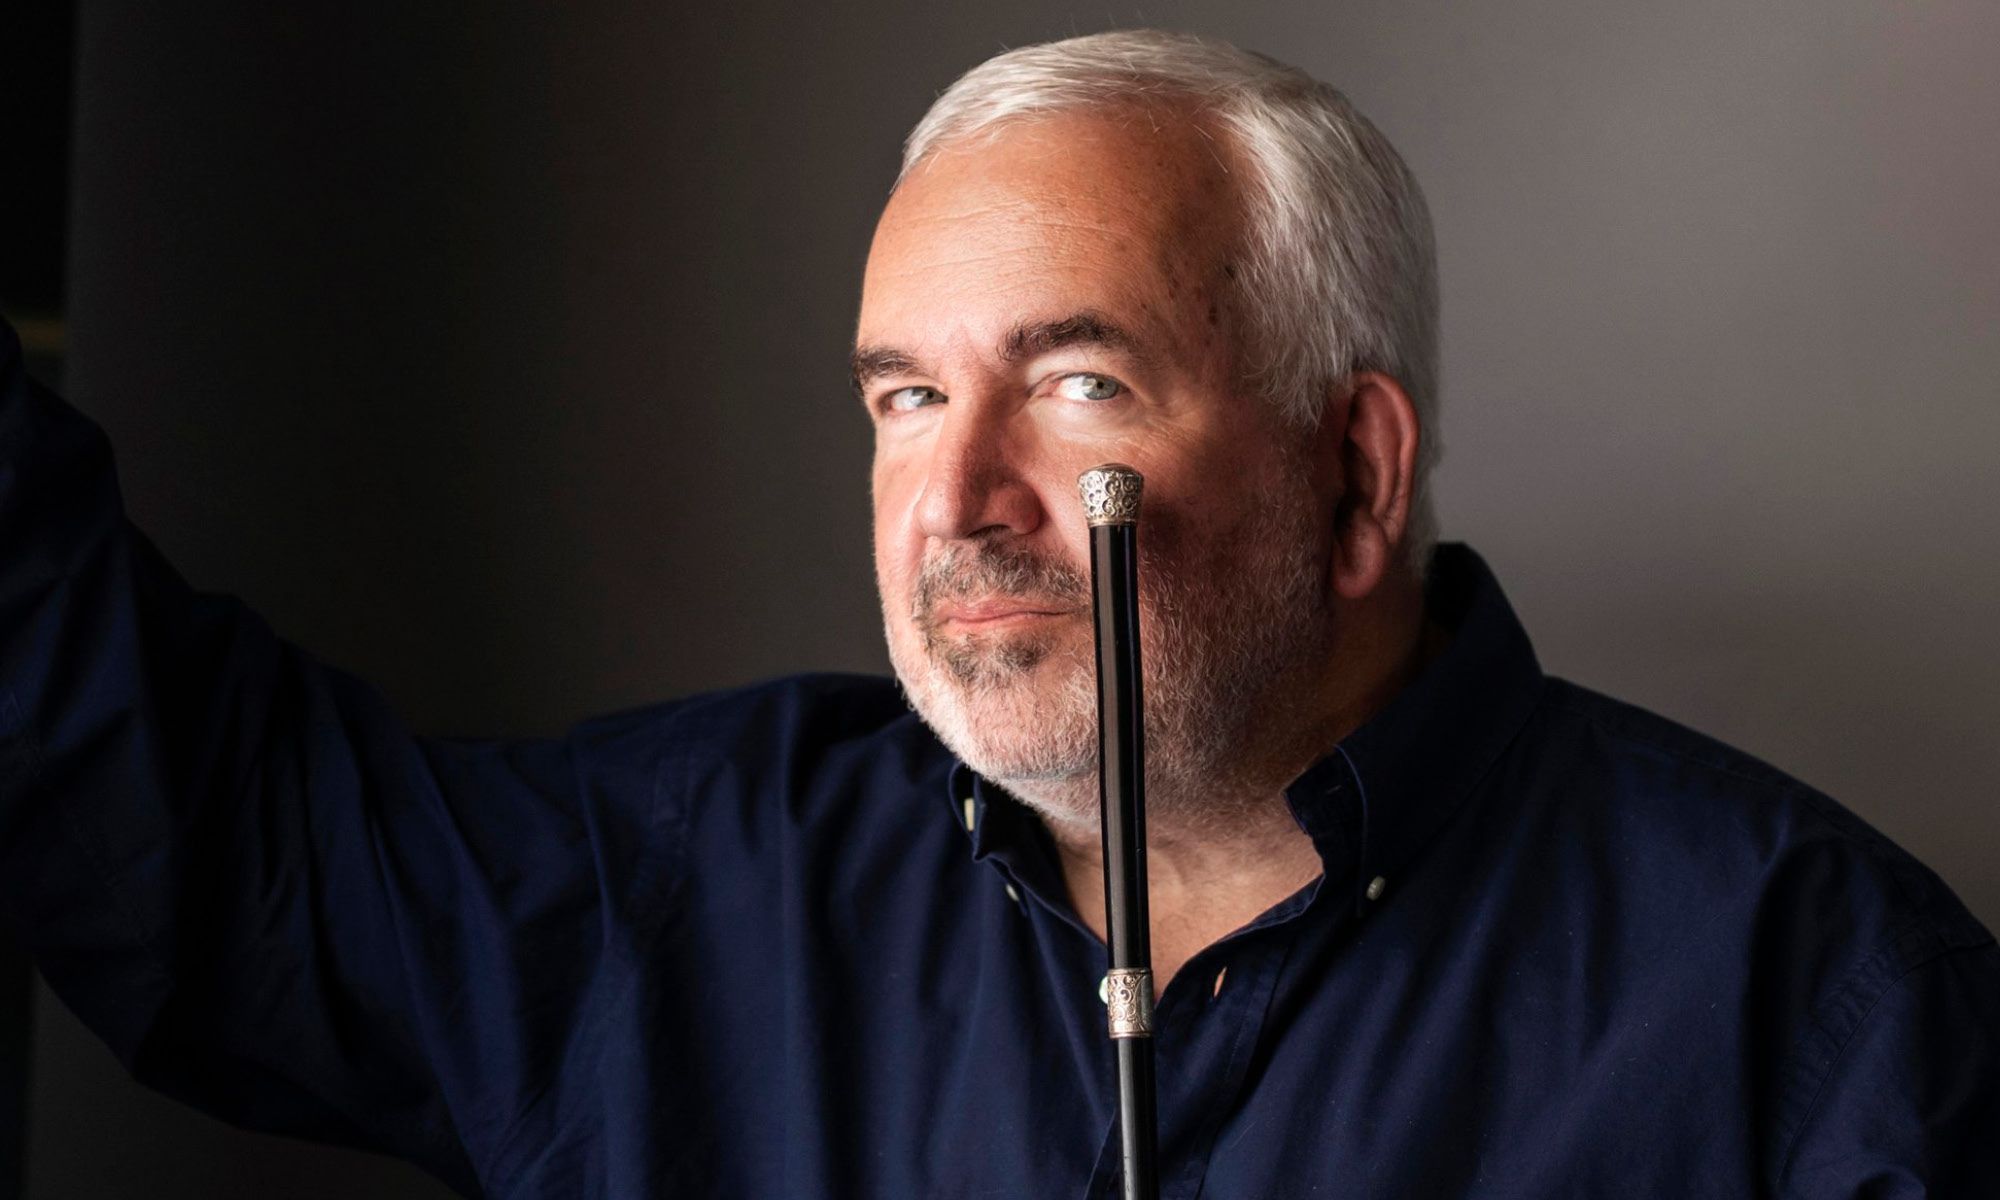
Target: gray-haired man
1428	921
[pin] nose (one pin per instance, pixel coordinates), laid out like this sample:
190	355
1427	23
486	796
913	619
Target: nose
974	485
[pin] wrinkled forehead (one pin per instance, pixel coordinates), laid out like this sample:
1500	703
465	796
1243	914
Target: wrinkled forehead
1137	203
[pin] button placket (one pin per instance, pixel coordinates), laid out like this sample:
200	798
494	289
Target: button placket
1206	1041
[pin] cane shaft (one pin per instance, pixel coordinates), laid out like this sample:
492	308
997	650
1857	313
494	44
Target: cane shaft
1122	793
1121	745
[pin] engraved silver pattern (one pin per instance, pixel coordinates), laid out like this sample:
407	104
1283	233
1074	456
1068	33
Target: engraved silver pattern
1128	1002
1111	494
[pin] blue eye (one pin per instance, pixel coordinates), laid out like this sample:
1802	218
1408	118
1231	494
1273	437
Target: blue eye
909	398
1085	386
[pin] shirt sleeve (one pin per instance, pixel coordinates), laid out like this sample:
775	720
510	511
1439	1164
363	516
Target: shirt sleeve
1910	1106
238	867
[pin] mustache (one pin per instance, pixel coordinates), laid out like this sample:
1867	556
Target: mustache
961	572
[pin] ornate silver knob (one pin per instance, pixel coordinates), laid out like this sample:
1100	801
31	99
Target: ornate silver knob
1111	494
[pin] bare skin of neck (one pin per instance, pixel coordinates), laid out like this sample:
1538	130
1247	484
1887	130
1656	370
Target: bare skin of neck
1209	878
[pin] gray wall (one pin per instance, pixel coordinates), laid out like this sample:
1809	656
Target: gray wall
497	356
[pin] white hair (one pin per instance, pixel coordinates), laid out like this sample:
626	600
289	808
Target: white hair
1339	269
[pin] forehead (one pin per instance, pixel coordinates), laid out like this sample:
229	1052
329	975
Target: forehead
1134	213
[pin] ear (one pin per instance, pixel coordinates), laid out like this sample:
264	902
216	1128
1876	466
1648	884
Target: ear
1374	433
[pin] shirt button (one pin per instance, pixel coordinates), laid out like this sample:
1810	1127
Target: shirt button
1012	894
1375	887
1104	990
970	812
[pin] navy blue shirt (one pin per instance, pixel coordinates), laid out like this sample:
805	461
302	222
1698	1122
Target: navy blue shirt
776	943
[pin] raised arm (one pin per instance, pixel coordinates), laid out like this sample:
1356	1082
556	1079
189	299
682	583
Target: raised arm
238	867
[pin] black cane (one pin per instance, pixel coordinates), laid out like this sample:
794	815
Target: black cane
1111	505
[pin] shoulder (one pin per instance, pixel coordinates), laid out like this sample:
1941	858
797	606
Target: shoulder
796	737
1855	976
1731	827
1638	736
824	706
1824	932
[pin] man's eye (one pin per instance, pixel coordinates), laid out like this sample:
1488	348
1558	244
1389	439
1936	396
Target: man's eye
906	399
1089	387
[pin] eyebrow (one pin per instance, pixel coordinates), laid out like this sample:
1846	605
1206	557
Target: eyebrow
1025	341
870	363
1078	329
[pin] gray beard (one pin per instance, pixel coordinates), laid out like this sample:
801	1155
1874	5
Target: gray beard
982	664
1221	650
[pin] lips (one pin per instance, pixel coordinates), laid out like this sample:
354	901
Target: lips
980	586
994	611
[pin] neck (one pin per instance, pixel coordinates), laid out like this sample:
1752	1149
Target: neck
1222	845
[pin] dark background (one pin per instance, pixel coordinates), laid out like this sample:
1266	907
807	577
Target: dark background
496	354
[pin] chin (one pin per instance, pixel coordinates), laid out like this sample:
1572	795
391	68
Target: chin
1018	725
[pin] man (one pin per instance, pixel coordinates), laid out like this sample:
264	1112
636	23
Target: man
1427	922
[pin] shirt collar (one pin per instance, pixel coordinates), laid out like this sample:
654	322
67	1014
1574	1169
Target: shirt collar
1380	796
1390	785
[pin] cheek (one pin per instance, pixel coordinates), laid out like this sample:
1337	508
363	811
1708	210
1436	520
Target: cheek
1165	553
893	476
898	546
